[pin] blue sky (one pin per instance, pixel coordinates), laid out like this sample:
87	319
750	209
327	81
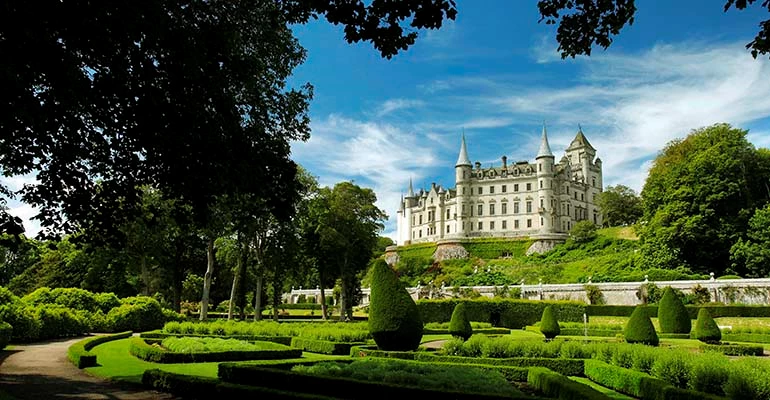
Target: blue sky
495	72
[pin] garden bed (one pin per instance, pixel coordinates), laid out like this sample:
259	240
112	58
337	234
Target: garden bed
195	350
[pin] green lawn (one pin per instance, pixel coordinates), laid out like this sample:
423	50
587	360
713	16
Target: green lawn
116	363
607	391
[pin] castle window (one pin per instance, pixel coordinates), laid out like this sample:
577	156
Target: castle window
420	219
491	209
539	167
463	190
463	211
516	207
491	190
471	210
516	187
504	188
447	213
504	207
581	197
541	203
529	187
567	189
515	224
412	234
420	232
575	195
481	190
505	224
431	200
447	229
593	198
481	209
529	223
541	184
481	225
465	174
595	218
529	207
491	225
541	221
593	181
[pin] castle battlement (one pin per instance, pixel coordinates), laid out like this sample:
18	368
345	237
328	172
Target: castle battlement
532	199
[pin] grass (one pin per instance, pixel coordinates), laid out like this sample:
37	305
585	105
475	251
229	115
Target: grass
117	364
607	391
619	232
201	345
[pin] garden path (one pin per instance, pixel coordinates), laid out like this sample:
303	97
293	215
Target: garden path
42	371
436	344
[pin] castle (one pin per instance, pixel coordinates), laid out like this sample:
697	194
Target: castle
540	200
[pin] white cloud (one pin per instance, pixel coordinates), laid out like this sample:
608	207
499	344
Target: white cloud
392	105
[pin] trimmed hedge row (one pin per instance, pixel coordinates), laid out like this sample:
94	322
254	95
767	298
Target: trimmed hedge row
485	331
337	387
591	332
323	346
565	366
746	337
300	306
284	340
558	386
638	384
372	351
198	387
509	313
716	311
674	335
79	353
734	349
141	349
6	331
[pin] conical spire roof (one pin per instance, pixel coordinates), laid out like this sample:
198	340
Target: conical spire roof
580	141
463	158
410	193
545	148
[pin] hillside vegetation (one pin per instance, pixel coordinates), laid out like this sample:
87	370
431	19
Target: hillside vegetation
611	257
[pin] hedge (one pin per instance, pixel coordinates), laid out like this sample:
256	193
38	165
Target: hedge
746	337
485	331
156	334
198	387
394	319
675	335
734	349
6	331
141	349
300	306
592	332
79	353
638	384
716	311
372	351
565	366
509	313
338	387
323	346
558	386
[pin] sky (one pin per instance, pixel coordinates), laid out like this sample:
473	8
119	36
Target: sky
495	74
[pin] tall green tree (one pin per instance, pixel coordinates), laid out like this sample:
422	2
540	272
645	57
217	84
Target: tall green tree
698	198
346	223
751	256
620	205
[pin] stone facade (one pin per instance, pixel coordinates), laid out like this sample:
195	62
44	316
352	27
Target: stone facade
521	199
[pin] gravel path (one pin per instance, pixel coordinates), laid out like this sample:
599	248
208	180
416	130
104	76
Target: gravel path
41	371
436	344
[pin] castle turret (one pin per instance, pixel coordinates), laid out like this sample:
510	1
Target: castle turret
405	222
545	174
581	154
462	182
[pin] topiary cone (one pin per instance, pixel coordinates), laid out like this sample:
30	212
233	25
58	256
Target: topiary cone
549	326
672	315
394	320
639	328
706	329
459	326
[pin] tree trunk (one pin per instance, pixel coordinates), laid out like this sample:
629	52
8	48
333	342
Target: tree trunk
207	279
343	299
236	277
323	295
276	298
258	298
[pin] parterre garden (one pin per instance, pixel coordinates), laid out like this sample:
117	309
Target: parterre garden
438	349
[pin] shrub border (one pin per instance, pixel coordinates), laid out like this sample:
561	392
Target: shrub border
556	385
79	353
157	334
141	349
323	346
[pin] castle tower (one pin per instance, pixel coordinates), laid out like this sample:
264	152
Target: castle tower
581	154
545	176
404	227
462	181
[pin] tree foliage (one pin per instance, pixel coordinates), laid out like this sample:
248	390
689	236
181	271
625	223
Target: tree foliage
394	320
698	198
620	205
585	23
459	325
583	232
751	256
672	315
639	328
549	325
706	329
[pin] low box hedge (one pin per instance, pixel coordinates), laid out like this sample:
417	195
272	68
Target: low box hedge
508	313
485	331
746	337
558	386
638	384
141	349
372	351
565	366
323	346
338	387
732	349
591	332
715	310
6	332
79	353
284	340
674	335
198	387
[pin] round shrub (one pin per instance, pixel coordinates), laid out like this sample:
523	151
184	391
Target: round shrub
139	314
6	330
459	326
394	320
106	301
672	315
639	328
26	328
57	321
706	330
549	326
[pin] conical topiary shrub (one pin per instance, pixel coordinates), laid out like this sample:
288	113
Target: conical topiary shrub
549	326
706	329
459	326
639	328
672	315
394	320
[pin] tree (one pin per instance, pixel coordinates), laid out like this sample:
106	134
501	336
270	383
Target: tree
549	325
459	326
583	232
639	328
698	198
583	23
751	256
620	205
394	320
672	315
186	97
706	329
